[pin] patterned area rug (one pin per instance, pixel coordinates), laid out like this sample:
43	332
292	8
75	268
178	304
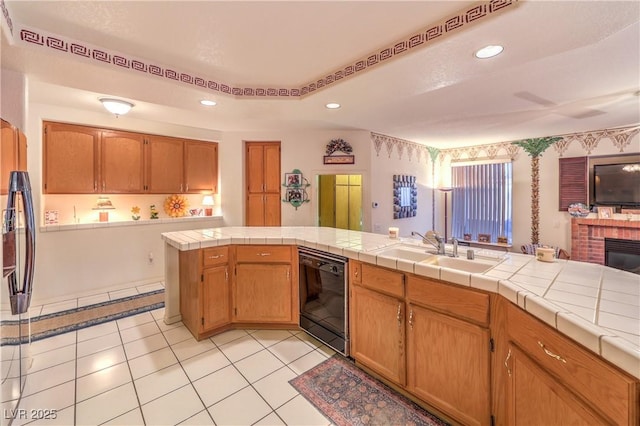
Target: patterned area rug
348	396
74	319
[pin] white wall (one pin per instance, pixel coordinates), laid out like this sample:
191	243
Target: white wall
383	167
303	150
12	96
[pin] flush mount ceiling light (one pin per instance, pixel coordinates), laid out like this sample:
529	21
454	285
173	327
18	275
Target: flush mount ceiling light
116	106
207	102
332	105
489	52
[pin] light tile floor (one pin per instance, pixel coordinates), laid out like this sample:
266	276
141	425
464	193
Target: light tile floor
138	370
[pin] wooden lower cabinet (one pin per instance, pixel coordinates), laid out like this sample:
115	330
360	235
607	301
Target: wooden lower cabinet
205	290
263	293
552	380
537	398
448	365
216	298
377	332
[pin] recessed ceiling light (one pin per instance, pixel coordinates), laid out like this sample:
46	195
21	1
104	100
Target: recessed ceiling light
332	105
489	52
207	102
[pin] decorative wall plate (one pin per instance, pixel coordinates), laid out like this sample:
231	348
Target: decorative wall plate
578	210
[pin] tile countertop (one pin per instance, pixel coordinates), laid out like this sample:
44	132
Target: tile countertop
597	306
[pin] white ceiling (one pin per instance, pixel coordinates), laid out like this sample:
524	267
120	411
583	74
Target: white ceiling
567	66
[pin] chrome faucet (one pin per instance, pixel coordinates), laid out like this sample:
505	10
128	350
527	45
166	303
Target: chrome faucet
438	244
454	240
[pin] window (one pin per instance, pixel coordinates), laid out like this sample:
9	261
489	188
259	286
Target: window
482	202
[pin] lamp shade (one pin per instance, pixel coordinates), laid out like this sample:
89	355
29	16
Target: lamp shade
207	200
116	106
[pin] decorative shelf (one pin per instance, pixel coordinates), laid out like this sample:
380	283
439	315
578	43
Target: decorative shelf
295	188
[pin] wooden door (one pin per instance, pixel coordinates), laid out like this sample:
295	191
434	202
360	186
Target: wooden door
448	364
71	159
377	332
536	398
263	293
122	162
263	196
8	155
201	166
216	298
165	165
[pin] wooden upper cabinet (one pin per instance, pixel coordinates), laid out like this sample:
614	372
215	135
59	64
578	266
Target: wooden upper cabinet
201	166
255	168
272	182
70	159
165	165
8	155
122	162
85	160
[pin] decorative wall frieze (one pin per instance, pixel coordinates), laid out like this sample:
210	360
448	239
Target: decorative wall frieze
54	43
620	138
7	16
402	147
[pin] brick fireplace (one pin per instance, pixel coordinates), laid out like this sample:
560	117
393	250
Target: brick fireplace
587	237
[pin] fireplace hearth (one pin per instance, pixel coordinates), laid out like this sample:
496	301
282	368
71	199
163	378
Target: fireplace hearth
622	254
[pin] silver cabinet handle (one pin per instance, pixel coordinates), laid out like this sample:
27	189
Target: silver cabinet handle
226	275
216	256
551	354
506	363
399	313
411	319
264	254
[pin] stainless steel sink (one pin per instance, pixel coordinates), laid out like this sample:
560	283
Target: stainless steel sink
472	266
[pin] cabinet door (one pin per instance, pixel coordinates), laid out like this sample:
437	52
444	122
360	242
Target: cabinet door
164	165
8	155
201	166
536	398
448	365
255	209
255	168
216	298
22	151
272	182
122	163
377	332
70	159
263	293
272	203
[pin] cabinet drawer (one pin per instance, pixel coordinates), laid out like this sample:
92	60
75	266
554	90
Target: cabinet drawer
605	388
383	280
263	254
215	256
461	302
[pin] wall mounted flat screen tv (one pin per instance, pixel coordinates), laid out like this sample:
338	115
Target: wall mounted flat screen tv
617	184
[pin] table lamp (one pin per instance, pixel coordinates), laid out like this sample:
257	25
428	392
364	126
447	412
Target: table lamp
102	205
207	201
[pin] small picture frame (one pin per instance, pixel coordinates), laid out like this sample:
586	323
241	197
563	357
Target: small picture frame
293	179
503	240
295	195
51	217
484	238
466	237
605	212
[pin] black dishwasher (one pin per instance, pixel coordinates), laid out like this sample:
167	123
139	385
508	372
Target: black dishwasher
324	297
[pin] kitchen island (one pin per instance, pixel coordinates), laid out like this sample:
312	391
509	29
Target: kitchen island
593	305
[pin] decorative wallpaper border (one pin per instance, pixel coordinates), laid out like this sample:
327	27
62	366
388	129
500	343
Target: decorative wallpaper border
401	146
620	137
64	45
7	16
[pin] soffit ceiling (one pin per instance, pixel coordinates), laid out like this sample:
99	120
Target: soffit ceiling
567	66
